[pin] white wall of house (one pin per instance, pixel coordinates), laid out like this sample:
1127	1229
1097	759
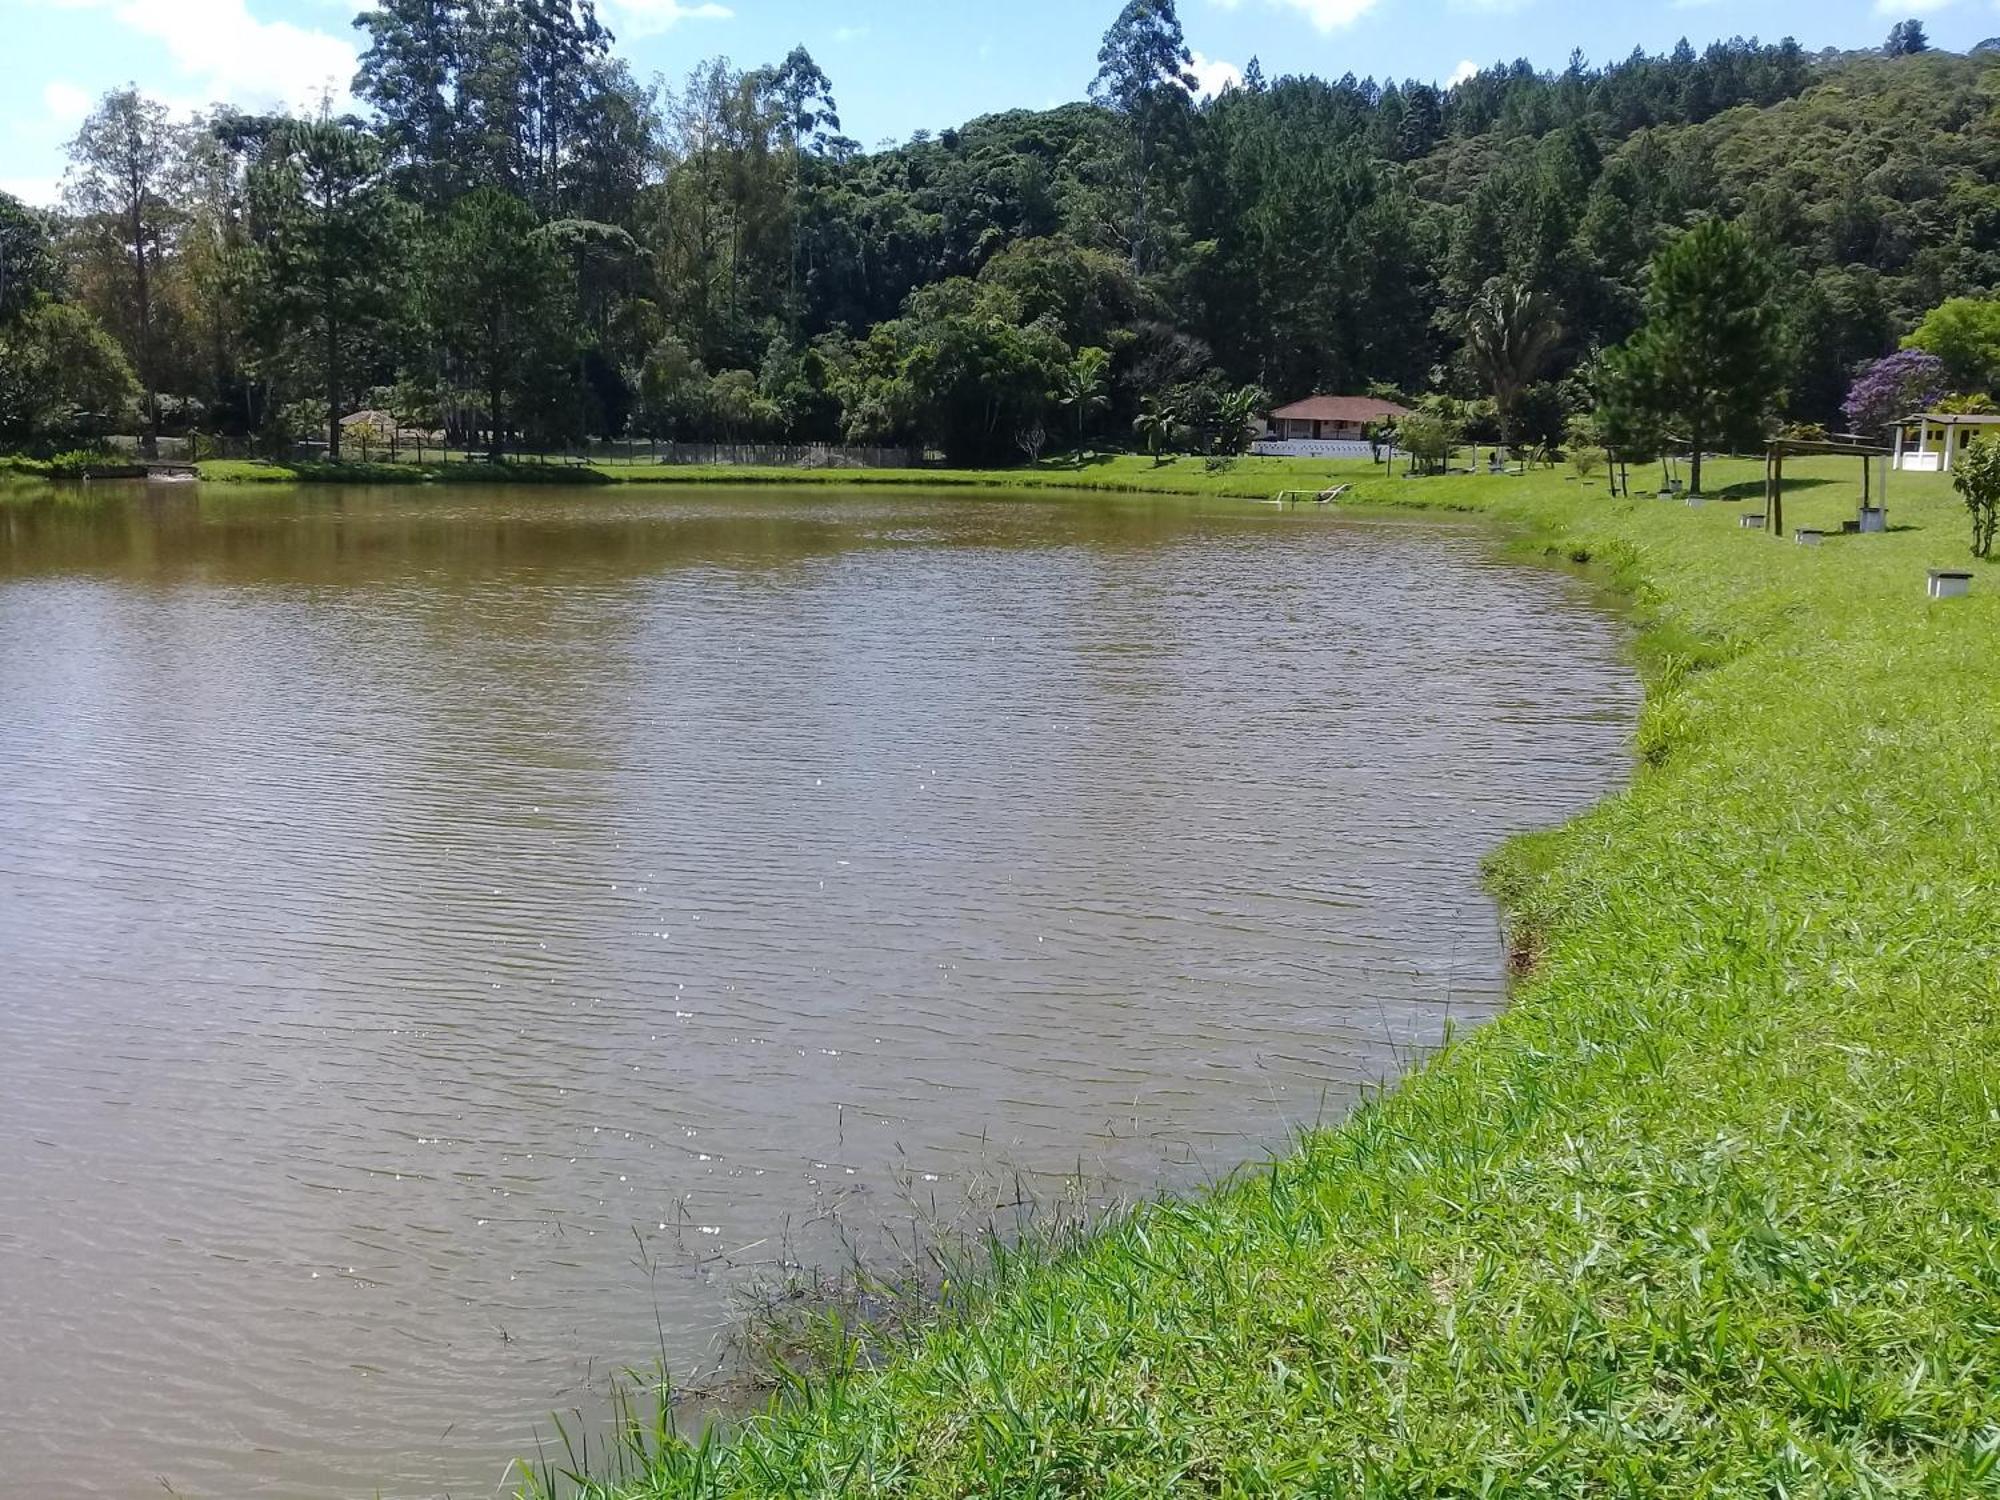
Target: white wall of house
1936	444
1303	429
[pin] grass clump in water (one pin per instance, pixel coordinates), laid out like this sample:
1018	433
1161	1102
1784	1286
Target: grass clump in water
1714	1208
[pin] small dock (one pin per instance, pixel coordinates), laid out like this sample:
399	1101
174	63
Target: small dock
1310	497
142	468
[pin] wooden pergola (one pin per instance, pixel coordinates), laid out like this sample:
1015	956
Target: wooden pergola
1784	448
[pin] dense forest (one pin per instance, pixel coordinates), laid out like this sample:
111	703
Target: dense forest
517	241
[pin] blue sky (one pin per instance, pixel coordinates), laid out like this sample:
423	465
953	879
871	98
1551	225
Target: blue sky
897	65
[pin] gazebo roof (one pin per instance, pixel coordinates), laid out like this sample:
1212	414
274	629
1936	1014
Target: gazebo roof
1835	447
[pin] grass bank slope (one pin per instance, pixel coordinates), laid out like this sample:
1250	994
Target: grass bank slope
1714	1209
1247	477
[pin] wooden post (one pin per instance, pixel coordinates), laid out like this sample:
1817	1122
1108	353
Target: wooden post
1774	506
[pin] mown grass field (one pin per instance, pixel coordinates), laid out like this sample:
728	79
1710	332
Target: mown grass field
1714	1209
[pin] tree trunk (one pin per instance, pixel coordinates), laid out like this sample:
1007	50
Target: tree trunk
332	392
1694	462
1139	220
150	443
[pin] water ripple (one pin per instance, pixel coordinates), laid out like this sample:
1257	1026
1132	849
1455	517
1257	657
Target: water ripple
405	900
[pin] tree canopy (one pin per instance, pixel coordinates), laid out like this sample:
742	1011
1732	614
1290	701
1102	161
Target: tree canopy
1703	369
715	260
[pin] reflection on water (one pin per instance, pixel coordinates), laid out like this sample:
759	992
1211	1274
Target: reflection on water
420	911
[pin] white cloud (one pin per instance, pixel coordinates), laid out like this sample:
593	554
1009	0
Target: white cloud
36	192
1326	16
1213	75
241	59
1905	8
64	104
644	17
225	54
1331	15
1465	72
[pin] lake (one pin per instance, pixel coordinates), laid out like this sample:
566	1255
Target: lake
450	939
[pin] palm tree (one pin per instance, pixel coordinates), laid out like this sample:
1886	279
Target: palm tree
1083	388
1510	332
1154	424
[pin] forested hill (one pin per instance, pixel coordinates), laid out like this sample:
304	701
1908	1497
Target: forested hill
515	234
1331	234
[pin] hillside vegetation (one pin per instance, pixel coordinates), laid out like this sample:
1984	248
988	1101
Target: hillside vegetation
519	243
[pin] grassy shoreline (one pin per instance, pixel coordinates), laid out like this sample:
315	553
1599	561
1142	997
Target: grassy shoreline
1714	1208
1242	478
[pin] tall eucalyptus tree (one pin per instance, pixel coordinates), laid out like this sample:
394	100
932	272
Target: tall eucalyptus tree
123	186
1145	76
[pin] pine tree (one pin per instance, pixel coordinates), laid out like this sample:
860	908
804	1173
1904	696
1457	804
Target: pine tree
496	293
1907	39
1423	122
1707	360
331	240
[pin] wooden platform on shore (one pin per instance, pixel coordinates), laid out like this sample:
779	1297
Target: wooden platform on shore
143	468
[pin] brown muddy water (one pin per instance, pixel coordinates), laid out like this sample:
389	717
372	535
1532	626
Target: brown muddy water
447	937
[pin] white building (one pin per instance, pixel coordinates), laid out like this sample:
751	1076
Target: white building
1928	442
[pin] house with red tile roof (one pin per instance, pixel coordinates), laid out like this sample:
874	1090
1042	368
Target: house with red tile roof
1330	419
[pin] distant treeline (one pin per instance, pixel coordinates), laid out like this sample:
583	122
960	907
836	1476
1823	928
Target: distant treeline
520	243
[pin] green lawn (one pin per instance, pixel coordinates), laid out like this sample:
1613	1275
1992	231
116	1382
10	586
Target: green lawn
1714	1209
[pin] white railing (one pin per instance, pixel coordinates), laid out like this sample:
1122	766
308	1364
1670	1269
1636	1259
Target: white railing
1308	448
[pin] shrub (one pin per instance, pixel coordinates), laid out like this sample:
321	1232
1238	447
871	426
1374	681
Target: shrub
357	473
1585	443
1976	476
75	463
510	473
1977	403
1428	439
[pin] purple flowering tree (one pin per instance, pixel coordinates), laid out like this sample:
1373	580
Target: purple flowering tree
1890	389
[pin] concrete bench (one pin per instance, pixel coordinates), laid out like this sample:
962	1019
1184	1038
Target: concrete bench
1948	584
